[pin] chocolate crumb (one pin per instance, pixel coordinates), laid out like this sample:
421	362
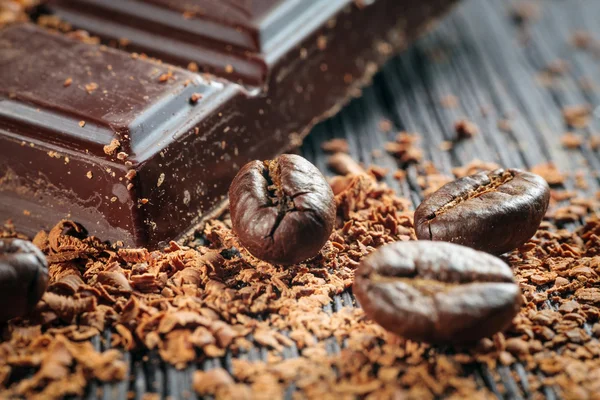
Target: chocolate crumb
525	12
582	40
91	87
465	129
577	116
81	124
404	148
571	140
550	173
68	82
335	145
378	172
195	97
446	145
110	148
322	42
343	164
165	77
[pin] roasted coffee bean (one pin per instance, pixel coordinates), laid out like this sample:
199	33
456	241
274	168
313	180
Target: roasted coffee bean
437	292
23	277
282	210
494	211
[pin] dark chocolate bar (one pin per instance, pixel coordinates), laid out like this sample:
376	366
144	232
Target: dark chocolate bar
139	151
134	150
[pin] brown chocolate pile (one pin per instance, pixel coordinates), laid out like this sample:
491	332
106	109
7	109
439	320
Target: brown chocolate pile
190	303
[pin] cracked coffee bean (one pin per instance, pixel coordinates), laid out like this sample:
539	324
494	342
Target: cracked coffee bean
437	292
23	277
494	211
282	210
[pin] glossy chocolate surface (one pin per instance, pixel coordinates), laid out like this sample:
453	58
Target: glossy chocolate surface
166	152
242	40
237	39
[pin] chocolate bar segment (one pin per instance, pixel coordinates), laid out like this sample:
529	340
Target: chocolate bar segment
253	41
134	150
235	38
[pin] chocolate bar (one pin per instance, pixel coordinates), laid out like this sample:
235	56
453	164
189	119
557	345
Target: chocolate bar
140	151
134	150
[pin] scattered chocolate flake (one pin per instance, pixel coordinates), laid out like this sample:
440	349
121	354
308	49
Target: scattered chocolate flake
378	172
12	11
68	82
558	67
550	173
582	40
80	35
580	181
446	145
165	77
89	174
399	174
404	148
577	116
192	66
81	124
110	149
524	12
465	129
555	69
571	140
343	164
335	145
91	87
195	97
